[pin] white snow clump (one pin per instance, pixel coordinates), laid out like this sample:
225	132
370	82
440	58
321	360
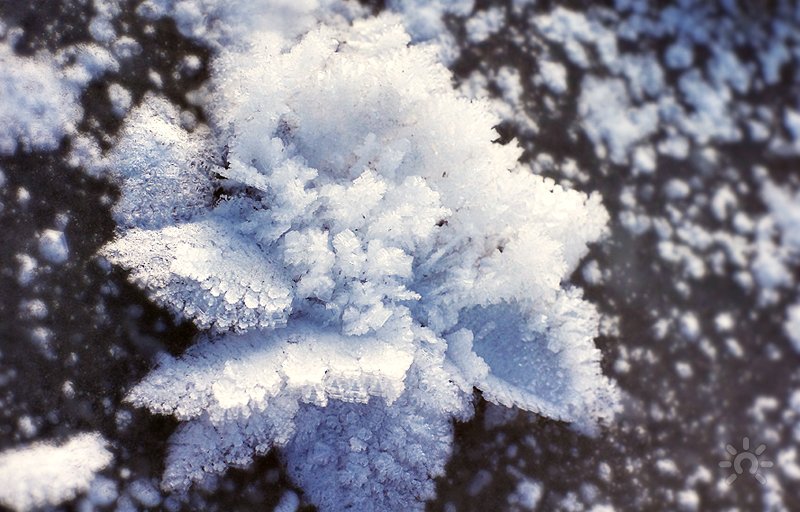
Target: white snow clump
44	474
38	107
369	257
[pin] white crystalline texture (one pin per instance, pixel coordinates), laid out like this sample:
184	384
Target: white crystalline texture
45	474
240	372
102	492
37	106
101	26
378	255
158	165
770	265
222	23
259	378
200	271
785	209
506	349
373	457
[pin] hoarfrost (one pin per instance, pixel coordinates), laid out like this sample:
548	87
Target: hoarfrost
367	263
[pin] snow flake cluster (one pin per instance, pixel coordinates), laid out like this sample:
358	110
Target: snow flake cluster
44	474
39	107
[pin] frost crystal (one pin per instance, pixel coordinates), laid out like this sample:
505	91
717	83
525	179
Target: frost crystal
370	258
43	474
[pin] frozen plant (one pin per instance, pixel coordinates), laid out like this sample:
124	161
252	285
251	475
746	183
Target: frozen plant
371	256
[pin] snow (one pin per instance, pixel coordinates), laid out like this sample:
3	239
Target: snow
527	495
482	25
675	146
666	467
592	273
791	119
575	31
101	26
679	56
644	159
83	63
788	464
724	322
289	502
683	369
153	162
145	493
121	99
677	189
45	474
35	309
711	117
39	106
690	326
723	203
126	47
688	500
53	246
424	21
102	492
245	289
610	121
554	76
27	426
27	269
